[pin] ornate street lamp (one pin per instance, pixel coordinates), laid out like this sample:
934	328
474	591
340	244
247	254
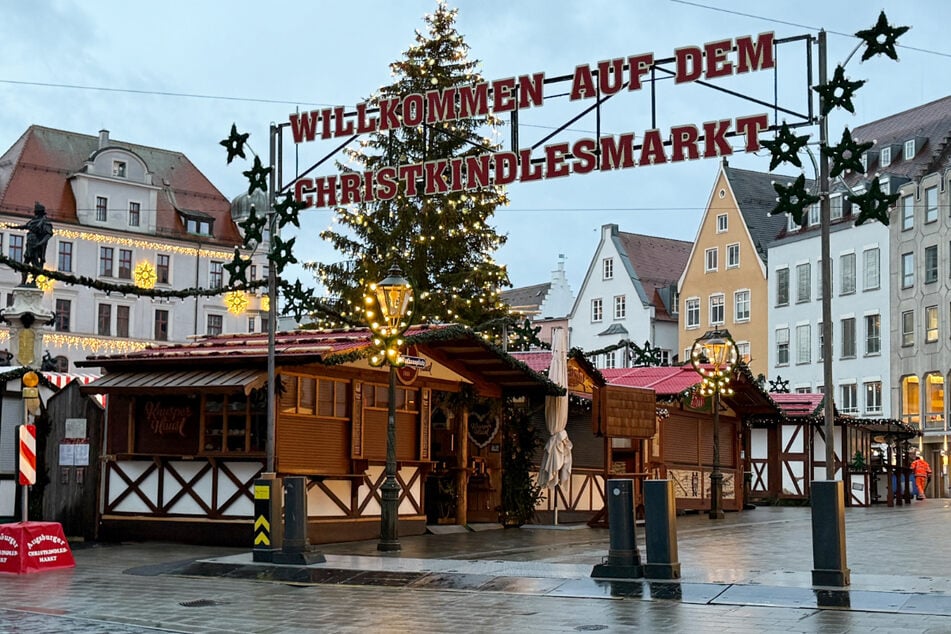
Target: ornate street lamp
392	297
714	357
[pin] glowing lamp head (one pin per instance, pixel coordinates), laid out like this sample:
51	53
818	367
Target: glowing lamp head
393	295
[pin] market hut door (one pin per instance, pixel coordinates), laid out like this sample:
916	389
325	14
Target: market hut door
484	464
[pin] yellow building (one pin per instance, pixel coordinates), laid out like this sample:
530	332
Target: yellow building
724	284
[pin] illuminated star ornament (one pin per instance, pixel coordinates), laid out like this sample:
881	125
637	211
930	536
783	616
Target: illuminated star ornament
287	209
881	38
847	155
235	143
785	148
257	176
874	204
238	269
838	92
793	199
236	302
253	227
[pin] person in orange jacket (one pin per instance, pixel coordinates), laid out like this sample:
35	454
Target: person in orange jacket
922	471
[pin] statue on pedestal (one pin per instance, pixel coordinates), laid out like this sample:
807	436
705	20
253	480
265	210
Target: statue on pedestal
39	231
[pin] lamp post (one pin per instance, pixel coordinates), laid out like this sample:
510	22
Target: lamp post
714	356
391	297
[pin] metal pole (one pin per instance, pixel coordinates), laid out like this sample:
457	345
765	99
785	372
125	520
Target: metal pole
716	478
825	212
390	491
271	310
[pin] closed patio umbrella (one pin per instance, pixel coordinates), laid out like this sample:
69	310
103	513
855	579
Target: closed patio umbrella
556	460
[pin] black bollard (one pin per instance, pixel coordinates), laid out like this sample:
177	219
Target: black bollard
660	512
623	560
267	518
296	549
828	534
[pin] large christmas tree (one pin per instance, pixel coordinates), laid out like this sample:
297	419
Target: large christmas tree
443	242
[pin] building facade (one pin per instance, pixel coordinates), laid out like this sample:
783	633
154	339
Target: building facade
546	305
629	294
723	285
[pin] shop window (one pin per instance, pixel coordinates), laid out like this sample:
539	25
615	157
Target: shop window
911	401
934	402
314	396
234	423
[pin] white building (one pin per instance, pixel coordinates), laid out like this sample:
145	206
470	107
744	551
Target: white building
860	309
629	294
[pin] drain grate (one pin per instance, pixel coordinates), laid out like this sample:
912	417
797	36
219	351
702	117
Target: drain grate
198	603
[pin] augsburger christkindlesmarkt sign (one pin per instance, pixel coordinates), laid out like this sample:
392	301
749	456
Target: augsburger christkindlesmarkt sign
722	58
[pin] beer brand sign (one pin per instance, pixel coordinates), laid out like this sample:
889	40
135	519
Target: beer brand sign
678	143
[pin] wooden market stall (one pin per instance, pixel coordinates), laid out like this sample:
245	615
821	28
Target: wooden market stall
186	430
788	451
682	448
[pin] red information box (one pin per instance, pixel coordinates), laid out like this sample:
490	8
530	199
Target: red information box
34	547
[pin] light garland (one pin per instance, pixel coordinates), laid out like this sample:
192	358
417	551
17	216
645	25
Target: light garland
92	344
141	244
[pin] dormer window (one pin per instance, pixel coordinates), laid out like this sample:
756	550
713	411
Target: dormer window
118	169
836	207
197	222
886	159
864	161
910	149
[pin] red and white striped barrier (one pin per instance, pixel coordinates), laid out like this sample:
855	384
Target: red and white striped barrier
27	454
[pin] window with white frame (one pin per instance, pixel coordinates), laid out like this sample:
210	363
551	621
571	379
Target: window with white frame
782	346
909	149
620	306
710	259
835	207
931	324
607	269
847	271
609	359
216	274
118	169
803	282
722	223
102	208
791	224
743	351
848	338
931	204
822	337
597	309
741	305
873	397
886	156
848	398
907	270
872	273
716	309
215	323
873	334
813	215
908	328
135	213
675	300
931	264
692	308
782	287
733	255
907	213
803	343
106	258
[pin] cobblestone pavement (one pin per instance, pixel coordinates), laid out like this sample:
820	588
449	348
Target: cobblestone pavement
763	557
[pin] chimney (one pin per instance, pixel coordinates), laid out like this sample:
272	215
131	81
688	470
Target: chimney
103	138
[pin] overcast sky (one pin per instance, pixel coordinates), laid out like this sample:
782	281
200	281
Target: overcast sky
176	74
